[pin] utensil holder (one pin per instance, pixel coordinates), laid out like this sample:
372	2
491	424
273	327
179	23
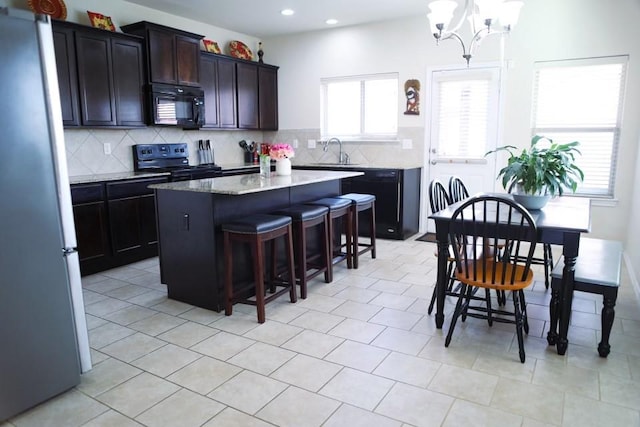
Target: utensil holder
248	157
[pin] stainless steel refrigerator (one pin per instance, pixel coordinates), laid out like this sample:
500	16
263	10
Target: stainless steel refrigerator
43	334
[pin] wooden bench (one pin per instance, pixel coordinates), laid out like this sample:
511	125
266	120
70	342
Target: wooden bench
597	271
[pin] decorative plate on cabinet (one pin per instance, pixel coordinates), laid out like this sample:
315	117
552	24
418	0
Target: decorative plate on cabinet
54	8
237	49
211	46
99	20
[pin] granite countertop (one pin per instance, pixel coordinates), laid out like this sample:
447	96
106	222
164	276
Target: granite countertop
99	177
355	166
253	183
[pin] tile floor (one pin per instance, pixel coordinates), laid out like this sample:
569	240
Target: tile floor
360	351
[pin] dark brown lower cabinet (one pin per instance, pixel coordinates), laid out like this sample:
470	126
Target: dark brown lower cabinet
91	223
116	225
131	226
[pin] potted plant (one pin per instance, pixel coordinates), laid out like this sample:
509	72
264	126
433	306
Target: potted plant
536	174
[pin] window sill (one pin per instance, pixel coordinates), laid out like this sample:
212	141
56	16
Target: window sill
598	201
611	203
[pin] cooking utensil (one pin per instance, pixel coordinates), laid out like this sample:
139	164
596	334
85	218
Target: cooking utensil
209	152
252	147
243	145
201	157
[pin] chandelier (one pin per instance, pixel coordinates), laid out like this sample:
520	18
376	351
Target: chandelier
482	16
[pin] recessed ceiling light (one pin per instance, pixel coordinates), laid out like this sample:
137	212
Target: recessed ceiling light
331	21
287	12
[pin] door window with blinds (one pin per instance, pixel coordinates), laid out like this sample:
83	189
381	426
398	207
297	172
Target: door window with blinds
464	115
360	107
581	100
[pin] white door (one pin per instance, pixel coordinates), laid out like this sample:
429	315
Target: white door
463	126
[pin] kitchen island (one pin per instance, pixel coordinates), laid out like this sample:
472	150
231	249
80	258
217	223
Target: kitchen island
190	215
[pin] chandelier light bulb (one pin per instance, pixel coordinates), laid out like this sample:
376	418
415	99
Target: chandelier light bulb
442	12
509	13
489	9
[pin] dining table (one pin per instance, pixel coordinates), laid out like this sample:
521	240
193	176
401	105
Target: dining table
560	222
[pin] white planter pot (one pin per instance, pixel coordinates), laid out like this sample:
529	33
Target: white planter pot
283	167
530	201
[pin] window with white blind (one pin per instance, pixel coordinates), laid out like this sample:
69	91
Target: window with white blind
360	107
465	112
581	100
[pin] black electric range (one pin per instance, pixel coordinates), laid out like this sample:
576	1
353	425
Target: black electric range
172	158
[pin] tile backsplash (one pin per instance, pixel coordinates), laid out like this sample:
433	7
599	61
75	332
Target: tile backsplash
86	147
382	153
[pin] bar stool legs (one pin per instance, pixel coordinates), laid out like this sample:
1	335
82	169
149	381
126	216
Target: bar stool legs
362	203
256	230
305	218
338	208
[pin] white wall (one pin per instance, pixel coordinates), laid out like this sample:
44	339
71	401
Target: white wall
632	249
548	29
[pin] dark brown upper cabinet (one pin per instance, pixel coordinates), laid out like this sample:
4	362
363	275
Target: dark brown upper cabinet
100	76
173	56
248	117
218	78
64	45
97	102
268	97
239	94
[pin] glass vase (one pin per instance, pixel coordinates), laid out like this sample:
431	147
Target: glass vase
265	166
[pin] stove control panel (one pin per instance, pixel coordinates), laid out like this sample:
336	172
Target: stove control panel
156	156
160	151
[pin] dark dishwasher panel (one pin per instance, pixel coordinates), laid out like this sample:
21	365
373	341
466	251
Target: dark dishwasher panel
397	194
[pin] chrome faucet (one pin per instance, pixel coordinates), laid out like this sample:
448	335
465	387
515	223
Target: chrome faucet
343	158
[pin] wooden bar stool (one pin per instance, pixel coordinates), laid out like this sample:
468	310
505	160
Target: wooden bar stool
257	230
337	209
362	203
305	217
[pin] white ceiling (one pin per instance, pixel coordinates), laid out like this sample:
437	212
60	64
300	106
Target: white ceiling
262	18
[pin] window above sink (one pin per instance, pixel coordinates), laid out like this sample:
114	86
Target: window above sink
360	108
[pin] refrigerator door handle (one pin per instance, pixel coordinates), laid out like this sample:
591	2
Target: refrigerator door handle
68	251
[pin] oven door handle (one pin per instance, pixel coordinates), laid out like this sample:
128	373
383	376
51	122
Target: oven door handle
198	106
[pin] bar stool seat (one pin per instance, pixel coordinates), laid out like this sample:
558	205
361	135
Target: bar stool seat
257	230
305	217
362	203
337	209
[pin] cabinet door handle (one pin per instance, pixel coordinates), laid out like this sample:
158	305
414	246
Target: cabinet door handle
185	222
398	210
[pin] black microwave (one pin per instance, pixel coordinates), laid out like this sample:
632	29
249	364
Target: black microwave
177	106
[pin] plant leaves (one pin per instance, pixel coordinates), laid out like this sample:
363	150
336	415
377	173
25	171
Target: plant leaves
542	170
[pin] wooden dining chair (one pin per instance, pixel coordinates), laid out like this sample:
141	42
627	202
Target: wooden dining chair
438	200
457	190
491	219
